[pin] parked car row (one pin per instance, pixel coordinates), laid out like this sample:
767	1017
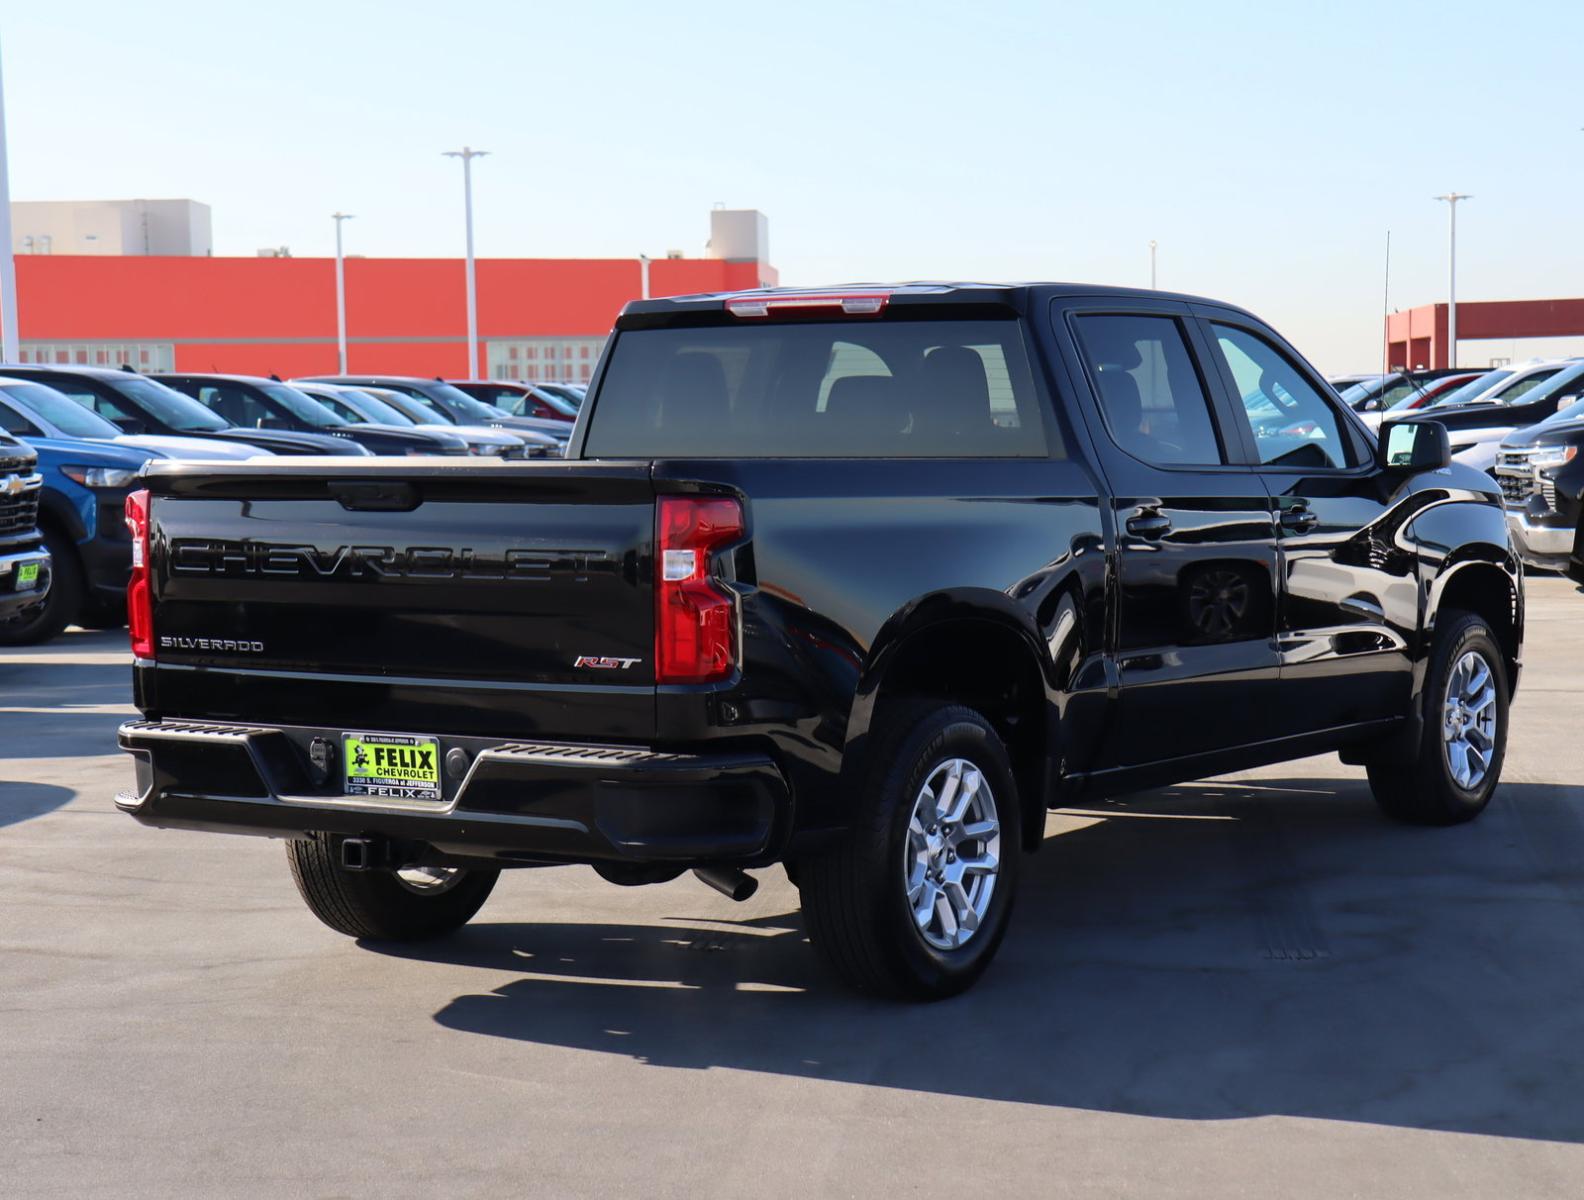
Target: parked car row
1522	424
84	435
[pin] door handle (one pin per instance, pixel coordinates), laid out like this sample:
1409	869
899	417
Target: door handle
1299	519
1148	524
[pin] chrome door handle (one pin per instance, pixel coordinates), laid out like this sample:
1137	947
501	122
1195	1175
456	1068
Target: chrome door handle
1147	524
1299	520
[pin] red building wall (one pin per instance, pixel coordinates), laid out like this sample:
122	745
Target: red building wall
404	315
1417	337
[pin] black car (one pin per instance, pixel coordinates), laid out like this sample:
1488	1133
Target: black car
24	561
1541	472
858	581
252	402
444	400
136	404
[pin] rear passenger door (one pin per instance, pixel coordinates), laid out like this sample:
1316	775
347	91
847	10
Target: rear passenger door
1349	597
1196	541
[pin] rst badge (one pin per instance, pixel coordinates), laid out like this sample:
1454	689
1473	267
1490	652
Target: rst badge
602	662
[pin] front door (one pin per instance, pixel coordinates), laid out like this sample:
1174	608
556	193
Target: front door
1196	554
1349	597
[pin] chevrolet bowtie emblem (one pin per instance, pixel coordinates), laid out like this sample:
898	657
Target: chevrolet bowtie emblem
12	485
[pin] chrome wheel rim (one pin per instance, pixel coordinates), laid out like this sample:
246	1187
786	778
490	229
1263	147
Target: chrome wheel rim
953	854
428	881
1468	720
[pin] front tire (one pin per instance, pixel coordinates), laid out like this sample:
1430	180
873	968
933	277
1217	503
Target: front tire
407	906
915	899
1464	741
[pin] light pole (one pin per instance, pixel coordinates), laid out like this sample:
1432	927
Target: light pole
643	277
1452	199
341	349
467	154
10	343
1152	264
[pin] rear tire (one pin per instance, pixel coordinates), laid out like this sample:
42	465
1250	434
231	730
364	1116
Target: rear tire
61	603
935	831
379	904
1464	740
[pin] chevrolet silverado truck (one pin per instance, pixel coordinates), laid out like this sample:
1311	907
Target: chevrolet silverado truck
860	581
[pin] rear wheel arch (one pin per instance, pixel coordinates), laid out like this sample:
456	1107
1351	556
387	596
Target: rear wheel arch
986	660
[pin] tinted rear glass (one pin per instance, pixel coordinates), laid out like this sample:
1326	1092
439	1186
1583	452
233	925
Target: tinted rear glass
852	389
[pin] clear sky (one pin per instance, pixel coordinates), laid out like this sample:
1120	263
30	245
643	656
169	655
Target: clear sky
1267	147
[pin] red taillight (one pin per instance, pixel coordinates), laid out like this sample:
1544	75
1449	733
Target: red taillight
850	304
695	618
140	599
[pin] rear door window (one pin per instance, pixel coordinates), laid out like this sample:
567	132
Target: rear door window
855	389
1151	397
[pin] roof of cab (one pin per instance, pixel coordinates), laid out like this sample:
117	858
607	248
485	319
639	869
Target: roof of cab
916	292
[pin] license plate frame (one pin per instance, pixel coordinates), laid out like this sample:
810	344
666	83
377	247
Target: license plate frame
27	575
391	766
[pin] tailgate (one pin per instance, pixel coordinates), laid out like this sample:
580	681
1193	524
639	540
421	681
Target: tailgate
492	599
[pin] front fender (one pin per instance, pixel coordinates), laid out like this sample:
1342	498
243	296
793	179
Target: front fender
1450	540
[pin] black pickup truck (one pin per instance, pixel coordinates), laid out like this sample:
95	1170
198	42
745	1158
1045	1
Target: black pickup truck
859	581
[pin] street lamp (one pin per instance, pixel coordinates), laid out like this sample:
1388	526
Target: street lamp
1152	264
467	154
341	349
10	343
643	277
1452	199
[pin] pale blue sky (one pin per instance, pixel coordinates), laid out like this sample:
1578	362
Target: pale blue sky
1266	146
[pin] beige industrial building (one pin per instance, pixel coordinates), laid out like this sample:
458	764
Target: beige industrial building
111	227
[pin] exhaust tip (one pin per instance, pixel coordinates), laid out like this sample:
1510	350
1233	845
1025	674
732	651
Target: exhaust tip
730	882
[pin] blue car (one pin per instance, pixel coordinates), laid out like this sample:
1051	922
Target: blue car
88	466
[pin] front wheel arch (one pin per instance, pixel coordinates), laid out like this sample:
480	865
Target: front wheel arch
1485	589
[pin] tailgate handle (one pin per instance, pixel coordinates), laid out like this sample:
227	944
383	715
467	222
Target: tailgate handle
375	495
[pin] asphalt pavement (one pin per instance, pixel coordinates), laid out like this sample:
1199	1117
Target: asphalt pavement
1253	986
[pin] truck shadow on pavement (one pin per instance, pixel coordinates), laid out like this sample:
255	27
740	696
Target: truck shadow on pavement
24	801
1205	952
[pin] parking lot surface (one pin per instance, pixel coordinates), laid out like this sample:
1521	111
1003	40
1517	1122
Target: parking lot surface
1252	986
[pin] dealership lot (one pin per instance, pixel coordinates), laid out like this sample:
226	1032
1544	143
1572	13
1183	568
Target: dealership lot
1245	986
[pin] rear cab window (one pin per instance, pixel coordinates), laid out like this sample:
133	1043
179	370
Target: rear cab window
1153	402
916	388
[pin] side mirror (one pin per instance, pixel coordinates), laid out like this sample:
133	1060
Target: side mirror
1414	446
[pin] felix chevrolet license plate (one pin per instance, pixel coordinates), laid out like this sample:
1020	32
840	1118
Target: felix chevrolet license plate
392	766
